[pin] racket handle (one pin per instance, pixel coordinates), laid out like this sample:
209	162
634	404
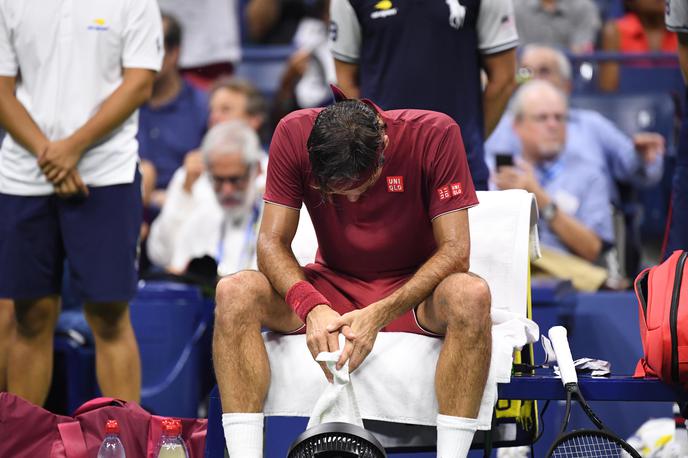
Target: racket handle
557	335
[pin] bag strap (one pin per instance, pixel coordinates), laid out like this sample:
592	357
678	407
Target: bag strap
97	403
73	439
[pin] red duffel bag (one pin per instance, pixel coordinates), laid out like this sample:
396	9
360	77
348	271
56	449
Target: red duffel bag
29	431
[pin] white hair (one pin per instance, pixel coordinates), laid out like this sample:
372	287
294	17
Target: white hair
563	64
517	105
232	137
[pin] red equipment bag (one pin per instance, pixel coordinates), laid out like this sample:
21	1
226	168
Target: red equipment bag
29	431
662	293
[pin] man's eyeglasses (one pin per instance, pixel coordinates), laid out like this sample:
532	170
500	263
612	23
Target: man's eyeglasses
234	180
541	118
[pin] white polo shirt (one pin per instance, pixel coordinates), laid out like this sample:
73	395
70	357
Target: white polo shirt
68	56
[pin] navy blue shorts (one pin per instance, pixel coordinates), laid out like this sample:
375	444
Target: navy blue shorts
98	236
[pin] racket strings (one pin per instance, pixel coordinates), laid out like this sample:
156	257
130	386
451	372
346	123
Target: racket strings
579	446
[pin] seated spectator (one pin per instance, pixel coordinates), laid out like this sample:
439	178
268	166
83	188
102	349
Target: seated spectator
590	136
225	226
211	46
230	99
310	69
573	199
571	25
640	30
173	121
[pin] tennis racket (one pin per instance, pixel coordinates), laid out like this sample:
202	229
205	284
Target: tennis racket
582	443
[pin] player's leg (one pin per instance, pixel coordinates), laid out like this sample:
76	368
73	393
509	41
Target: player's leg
460	309
118	366
30	362
245	302
31	260
7	326
101	236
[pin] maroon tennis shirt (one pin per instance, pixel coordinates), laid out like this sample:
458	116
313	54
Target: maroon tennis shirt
387	232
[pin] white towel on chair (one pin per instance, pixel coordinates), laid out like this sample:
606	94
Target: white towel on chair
396	381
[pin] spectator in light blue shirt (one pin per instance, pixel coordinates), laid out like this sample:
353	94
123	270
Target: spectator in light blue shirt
573	197
590	136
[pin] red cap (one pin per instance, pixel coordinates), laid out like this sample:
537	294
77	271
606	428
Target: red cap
111	427
171	427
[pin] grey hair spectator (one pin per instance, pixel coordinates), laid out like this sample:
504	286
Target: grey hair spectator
232	137
518	102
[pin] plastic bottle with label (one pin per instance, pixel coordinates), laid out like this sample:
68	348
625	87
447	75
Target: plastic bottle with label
112	446
171	444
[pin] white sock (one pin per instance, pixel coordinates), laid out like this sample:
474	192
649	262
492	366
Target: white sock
454	435
243	434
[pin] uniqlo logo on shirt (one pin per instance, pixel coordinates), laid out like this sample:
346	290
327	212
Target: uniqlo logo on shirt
455	189
444	192
395	184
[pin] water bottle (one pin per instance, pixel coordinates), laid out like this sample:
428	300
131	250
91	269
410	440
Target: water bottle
171	444
111	447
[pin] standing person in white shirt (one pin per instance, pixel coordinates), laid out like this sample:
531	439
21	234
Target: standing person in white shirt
211	46
69	186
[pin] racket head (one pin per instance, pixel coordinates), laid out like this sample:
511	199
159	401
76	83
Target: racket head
591	443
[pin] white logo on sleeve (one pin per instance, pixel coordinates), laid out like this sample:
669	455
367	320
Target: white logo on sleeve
457	13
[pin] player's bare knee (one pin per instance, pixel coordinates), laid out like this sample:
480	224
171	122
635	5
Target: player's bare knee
465	299
35	319
107	320
238	298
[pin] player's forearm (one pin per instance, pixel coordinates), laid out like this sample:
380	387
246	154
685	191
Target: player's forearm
277	262
450	258
495	99
17	122
135	89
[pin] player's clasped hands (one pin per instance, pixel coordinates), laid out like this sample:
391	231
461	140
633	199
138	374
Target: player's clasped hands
58	162
360	328
318	338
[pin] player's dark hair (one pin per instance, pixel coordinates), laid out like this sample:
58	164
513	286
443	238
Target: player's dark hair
345	144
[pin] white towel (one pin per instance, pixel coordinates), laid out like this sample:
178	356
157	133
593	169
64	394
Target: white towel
396	381
337	403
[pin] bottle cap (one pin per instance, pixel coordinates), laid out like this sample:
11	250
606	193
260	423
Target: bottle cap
171	427
111	427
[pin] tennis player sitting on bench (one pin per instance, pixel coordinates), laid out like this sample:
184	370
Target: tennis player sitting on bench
388	194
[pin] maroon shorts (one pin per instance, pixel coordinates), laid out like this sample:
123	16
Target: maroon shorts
347	294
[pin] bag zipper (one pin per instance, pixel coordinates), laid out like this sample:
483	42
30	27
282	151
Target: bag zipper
673	318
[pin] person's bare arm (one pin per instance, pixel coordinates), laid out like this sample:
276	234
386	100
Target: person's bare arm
17	121
277	262
261	16
500	69
347	78
609	70
62	156
452	256
20	125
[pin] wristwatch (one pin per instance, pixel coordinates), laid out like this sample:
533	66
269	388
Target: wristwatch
549	211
